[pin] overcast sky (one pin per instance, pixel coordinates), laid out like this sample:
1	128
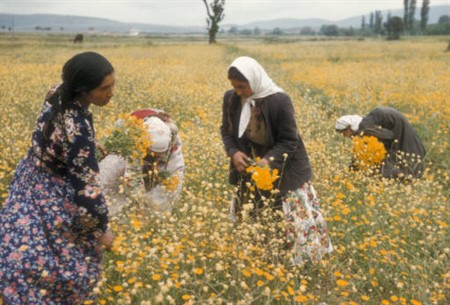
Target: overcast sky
193	12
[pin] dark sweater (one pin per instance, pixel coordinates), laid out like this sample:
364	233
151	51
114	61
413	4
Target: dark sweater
393	129
282	137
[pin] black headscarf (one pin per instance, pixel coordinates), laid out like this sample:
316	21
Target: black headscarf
80	74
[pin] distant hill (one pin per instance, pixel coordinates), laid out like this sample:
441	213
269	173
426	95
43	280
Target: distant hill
26	23
61	23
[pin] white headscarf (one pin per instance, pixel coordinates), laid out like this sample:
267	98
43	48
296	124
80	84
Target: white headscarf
260	83
160	134
346	121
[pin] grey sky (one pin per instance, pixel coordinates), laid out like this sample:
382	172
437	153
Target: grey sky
193	12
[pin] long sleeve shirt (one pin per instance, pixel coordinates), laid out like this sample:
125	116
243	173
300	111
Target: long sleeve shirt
66	146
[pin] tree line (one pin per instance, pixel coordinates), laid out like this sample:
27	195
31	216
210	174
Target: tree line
392	27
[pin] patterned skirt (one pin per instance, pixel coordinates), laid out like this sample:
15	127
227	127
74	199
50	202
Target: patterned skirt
42	261
307	232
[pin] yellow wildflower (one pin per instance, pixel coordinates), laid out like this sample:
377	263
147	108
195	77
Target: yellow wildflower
117	288
341	283
171	183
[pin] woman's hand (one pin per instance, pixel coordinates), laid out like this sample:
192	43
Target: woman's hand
239	160
106	239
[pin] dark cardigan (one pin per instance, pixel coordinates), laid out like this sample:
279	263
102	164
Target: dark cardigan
282	137
393	129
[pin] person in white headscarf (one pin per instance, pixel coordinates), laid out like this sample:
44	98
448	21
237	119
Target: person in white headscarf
163	168
405	150
258	123
348	125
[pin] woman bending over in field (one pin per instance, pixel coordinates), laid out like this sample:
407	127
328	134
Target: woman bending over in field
258	125
162	170
55	219
405	152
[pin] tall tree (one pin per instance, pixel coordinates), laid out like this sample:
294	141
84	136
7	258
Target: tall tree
444	19
411	13
394	27
371	24
214	10
405	14
378	22
424	14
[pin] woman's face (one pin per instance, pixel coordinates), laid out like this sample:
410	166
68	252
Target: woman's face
348	133
242	88
101	95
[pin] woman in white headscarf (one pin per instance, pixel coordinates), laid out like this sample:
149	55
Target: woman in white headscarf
258	123
348	125
163	168
405	150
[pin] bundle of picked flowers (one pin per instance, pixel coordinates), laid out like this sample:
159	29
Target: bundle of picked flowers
368	152
263	176
128	139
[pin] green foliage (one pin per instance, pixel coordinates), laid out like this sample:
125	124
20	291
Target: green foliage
307	30
119	143
444	19
277	31
329	30
394	27
438	29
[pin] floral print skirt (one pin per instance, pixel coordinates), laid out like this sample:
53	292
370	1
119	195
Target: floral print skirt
307	232
42	261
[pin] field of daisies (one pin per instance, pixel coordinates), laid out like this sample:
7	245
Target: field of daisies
391	240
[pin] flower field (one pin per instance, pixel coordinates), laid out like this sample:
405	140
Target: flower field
391	240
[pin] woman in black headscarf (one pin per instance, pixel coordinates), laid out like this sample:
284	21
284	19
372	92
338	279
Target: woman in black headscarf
54	220
405	150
